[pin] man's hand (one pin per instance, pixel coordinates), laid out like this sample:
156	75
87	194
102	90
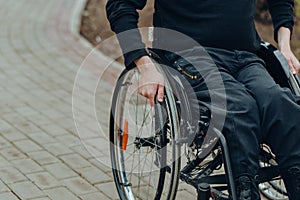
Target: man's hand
285	49
293	61
151	81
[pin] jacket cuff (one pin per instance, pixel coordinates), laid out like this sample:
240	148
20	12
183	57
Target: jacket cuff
130	57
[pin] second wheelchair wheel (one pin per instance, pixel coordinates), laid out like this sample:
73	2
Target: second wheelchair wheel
273	189
144	152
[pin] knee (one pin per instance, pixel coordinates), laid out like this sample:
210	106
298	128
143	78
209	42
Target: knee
243	103
243	110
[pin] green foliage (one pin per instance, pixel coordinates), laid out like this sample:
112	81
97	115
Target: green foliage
297	4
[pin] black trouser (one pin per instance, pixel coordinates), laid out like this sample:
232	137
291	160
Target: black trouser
255	108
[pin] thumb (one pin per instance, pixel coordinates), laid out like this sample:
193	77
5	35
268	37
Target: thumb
160	93
291	65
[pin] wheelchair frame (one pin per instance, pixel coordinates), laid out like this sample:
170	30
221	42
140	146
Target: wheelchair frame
195	172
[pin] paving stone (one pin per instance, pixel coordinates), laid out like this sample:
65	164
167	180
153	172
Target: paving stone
26	110
4	143
66	124
4	110
57	149
12	154
88	130
39	120
94	175
60	92
27	145
93	196
79	186
104	161
109	189
8	196
43	157
61	193
26	190
69	140
94	152
41	138
60	171
14	135
75	161
100	144
26	126
80	149
4	126
43	180
186	195
53	113
13	118
4	162
96	162
16	91
41	198
53	129
27	166
11	175
3	188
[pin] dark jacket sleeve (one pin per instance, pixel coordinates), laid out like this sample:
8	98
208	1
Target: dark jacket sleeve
123	16
282	12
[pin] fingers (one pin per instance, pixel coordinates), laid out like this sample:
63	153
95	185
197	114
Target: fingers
151	99
148	92
291	65
160	93
151	84
151	91
293	62
296	66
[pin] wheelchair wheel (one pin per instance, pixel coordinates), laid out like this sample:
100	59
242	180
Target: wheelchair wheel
144	152
274	189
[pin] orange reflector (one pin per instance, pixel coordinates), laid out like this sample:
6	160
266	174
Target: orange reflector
125	136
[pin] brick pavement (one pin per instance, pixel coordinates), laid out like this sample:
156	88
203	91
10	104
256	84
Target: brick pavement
41	154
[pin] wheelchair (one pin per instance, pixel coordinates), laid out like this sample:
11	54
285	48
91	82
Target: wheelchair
151	148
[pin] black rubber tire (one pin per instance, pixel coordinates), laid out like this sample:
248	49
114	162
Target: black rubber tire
131	183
